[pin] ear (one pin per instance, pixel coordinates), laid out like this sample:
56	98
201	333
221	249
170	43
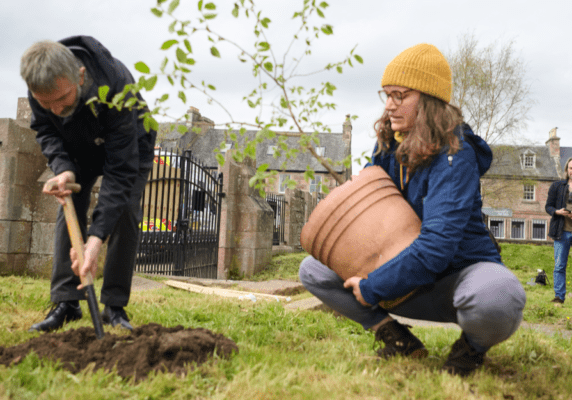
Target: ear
81	75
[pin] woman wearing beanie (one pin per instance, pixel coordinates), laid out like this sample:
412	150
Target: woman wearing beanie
436	161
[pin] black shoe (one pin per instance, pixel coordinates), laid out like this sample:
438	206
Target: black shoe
399	340
463	359
557	300
115	316
60	314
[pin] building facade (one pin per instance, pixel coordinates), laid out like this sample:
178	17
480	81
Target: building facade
515	189
202	138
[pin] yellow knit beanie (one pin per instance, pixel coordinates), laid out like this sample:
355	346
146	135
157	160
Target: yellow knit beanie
422	68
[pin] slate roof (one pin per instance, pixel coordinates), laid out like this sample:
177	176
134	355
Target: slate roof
565	154
203	146
507	163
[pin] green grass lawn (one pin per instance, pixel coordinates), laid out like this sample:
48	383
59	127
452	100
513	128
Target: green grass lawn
297	354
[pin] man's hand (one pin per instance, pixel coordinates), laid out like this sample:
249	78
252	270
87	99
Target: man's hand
564	212
57	186
90	254
353	283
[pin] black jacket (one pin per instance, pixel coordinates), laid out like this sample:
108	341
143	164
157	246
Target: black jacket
556	200
108	142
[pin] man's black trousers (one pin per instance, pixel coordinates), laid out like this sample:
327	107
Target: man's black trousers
121	248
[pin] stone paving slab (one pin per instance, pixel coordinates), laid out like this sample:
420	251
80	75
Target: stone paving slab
288	288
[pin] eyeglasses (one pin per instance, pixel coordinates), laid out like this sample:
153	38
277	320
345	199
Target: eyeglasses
396	96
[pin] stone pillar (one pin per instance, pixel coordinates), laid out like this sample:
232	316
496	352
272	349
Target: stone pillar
245	243
295	216
347	139
22	243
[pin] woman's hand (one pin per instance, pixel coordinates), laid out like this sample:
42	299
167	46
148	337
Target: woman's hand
353	283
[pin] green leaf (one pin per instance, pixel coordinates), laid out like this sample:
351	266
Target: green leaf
164	64
308	175
130	102
358	59
339	69
117	98
327	29
210	6
181	56
220	159
262	168
234	11
263	46
268	66
157	12
323	4
211	87
210	16
172	6
150	83
214	52
188	45
170	79
320	13
142	67
172	26
182	96
200	4
265	22
182	129
325	189
102	92
163	98
168	44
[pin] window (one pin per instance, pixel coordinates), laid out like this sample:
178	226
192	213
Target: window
315	184
528	161
496	226
528	192
538	229
271	150
283	180
321	151
517	229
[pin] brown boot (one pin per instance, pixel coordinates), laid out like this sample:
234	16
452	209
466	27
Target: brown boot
463	359
399	340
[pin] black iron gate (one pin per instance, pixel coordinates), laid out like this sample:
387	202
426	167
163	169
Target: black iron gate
277	202
181	218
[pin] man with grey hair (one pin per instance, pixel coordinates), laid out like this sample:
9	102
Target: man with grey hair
81	144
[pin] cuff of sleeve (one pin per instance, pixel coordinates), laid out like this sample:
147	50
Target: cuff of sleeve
367	292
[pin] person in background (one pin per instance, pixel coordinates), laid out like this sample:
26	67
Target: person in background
436	161
559	205
81	144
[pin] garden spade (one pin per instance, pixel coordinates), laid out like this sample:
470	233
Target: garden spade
78	244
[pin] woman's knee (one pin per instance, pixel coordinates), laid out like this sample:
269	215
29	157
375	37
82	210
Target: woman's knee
495	312
314	273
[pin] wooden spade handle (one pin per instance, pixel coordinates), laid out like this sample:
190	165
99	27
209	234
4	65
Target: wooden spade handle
75	235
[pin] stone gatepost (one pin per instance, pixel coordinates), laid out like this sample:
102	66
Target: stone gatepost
245	243
295	216
24	245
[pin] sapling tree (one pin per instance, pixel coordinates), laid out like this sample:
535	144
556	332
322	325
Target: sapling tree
284	106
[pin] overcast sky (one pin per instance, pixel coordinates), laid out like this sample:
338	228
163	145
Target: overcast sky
381	30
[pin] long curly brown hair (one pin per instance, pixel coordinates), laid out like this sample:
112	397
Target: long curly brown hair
433	130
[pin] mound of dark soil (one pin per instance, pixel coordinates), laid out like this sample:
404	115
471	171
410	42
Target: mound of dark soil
148	348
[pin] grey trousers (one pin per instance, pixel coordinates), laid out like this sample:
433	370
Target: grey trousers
485	299
121	248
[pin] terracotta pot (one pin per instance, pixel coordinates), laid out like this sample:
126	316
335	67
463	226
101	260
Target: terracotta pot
361	225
